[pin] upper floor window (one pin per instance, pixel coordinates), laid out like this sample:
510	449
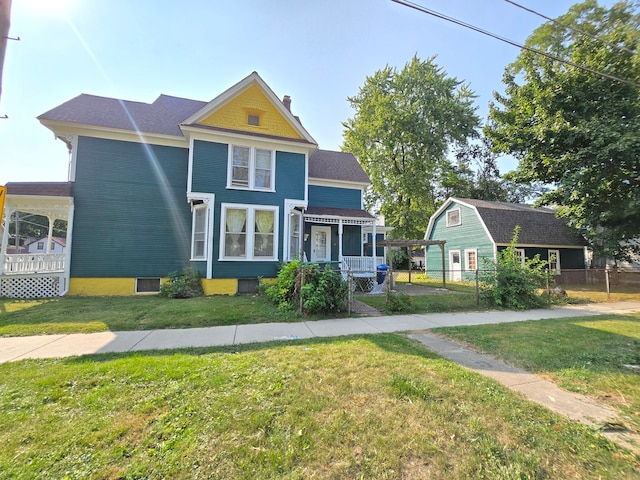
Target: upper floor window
251	168
253	120
40	246
453	218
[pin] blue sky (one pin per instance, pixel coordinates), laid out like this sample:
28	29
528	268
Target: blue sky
318	52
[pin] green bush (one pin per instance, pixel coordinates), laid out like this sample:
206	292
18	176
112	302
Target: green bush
321	290
509	284
185	284
399	303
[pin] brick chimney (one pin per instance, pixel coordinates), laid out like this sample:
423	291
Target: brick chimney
287	102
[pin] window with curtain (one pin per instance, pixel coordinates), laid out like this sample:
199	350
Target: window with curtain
235	238
472	260
199	233
252	168
249	232
263	242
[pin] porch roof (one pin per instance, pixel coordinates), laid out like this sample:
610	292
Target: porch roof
338	212
41	189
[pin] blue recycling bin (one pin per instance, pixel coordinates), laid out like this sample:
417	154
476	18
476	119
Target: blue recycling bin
381	273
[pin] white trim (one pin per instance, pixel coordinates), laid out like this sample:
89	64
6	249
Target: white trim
209	200
555	252
325	182
251	169
459	222
71	173
238	89
96	131
455	275
466	259
250	232
289	205
190	166
282	144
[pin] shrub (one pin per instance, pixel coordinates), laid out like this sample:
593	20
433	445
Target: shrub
321	290
510	284
399	303
185	284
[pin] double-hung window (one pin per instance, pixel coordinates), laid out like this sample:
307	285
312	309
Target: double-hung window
471	260
199	229
554	261
251	168
249	232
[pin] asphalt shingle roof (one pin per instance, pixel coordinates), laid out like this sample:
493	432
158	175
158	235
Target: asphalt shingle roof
341	166
163	116
538	226
338	212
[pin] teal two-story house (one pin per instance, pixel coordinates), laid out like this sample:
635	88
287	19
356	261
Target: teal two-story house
233	187
477	229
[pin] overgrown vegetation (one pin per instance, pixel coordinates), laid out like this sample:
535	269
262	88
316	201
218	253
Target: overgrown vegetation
358	407
185	284
310	288
510	283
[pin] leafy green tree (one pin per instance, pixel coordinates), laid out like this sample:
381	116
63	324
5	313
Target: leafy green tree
574	129
404	124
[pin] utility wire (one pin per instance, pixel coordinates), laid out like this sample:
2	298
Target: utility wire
573	29
441	16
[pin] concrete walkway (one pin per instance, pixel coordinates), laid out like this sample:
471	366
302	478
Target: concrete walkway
574	406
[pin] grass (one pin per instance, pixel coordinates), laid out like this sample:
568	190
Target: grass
356	407
583	354
598	293
96	314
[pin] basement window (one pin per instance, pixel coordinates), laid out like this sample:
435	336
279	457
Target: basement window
147	285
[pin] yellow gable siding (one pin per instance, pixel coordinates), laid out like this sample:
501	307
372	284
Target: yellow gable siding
252	101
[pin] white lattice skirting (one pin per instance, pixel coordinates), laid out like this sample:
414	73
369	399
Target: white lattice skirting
32	286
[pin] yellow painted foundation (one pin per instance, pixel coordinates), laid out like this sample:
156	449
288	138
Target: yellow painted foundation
97	287
92	287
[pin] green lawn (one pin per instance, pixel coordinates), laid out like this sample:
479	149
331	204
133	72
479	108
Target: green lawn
584	354
356	407
95	314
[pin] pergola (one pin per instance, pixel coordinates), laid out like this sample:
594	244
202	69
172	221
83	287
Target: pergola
411	244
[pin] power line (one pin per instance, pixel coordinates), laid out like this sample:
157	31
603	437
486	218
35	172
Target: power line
573	29
441	16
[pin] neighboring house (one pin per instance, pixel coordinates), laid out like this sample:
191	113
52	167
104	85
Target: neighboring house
477	229
56	245
233	187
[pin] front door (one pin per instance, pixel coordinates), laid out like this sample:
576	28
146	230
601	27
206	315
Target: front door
320	244
455	266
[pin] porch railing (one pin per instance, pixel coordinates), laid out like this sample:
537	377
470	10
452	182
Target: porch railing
361	264
27	263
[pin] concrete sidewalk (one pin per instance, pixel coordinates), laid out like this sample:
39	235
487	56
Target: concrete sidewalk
59	346
572	405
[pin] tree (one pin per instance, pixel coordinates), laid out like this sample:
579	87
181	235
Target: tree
404	124
574	129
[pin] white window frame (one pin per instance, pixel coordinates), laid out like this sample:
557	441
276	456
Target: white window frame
250	232
451	224
252	169
520	253
195	209
466	259
557	261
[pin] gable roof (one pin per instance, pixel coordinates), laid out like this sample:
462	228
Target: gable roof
163	116
339	166
252	80
538	225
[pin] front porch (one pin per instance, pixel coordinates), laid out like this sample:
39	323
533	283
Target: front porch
25	274
339	236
